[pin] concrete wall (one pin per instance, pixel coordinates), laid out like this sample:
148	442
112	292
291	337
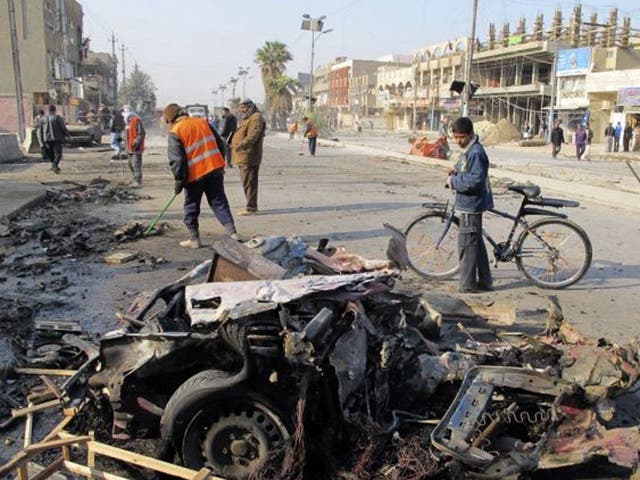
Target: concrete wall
9	148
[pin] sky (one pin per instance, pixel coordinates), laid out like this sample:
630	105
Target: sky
190	47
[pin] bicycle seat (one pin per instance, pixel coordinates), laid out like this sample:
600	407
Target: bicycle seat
529	191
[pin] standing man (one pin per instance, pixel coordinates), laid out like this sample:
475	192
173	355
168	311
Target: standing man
311	132
228	125
196	158
135	147
557	138
608	137
617	133
627	134
470	180
581	141
53	131
246	147
116	127
587	150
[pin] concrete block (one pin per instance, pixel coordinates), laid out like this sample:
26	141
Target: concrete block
9	148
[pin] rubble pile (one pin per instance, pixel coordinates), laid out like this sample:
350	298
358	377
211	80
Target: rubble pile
275	375
493	134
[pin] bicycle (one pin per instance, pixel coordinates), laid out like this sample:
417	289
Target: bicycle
552	252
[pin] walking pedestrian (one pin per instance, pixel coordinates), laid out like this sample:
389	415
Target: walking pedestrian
557	139
228	124
116	128
53	131
311	133
246	152
470	180
581	141
617	132
135	147
196	158
627	134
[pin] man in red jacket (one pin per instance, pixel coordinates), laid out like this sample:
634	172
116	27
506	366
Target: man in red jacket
135	147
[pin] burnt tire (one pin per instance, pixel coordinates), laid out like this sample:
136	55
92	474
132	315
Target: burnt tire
213	420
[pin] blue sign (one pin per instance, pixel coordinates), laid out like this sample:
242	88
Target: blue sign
576	61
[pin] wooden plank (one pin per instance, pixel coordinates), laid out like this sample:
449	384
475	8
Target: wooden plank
144	461
60	442
90	472
57	429
47	471
203	474
21	412
39	397
46	371
23	473
18	459
51	386
28	429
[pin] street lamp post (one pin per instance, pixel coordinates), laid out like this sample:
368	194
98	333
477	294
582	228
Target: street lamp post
313	25
243	72
222	87
466	96
215	100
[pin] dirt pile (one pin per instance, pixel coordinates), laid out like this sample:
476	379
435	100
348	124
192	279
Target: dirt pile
501	132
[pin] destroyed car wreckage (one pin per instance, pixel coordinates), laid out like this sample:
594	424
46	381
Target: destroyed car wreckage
340	376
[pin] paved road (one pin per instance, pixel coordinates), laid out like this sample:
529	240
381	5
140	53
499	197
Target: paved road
345	196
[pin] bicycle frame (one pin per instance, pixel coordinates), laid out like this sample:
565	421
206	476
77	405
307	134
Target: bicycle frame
518	221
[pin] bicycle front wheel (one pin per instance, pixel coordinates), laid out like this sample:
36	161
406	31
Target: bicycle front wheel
553	253
427	257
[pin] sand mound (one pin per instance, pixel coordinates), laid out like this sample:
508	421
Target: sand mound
501	132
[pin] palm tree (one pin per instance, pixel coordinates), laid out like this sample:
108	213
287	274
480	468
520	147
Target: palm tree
271	59
282	89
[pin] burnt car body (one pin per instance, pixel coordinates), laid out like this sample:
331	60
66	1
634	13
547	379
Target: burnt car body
302	377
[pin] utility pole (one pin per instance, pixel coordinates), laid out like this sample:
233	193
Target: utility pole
115	70
467	68
16	69
122	49
554	83
416	77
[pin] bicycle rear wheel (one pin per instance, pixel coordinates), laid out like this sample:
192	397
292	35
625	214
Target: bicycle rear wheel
563	262
426	257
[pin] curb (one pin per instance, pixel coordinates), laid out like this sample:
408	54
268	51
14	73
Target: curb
604	196
30	200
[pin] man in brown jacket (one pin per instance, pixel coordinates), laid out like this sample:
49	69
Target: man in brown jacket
246	148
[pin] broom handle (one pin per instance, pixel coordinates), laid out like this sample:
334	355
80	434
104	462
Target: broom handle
155	220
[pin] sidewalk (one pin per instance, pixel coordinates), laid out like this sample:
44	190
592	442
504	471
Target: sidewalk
605	179
16	197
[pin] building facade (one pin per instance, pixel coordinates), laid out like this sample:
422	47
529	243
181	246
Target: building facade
50	45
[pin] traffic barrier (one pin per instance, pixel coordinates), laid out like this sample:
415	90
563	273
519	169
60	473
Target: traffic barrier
9	149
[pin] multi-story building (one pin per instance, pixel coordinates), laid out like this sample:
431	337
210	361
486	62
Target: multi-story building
346	95
49	41
98	71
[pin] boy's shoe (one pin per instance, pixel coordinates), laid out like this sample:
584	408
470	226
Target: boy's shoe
135	184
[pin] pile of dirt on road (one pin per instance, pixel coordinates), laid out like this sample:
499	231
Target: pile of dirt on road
496	133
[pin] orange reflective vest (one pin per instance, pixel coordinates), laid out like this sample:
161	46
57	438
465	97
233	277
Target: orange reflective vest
203	154
132	134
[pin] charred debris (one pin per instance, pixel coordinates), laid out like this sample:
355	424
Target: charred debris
276	361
